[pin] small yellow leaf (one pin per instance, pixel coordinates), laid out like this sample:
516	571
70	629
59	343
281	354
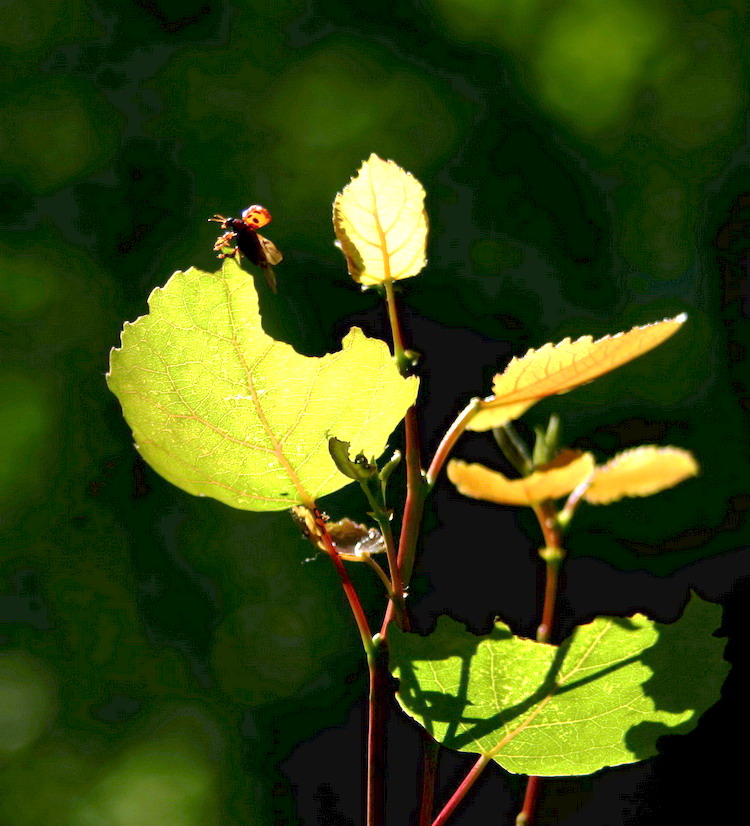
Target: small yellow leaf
381	224
640	472
555	480
557	368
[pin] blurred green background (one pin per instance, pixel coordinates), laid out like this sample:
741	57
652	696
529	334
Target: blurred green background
168	662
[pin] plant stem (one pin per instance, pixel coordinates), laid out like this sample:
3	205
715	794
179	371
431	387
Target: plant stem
396	586
397	595
359	615
513	448
413	509
566	514
526	815
430	753
376	709
461	791
382	575
403	362
376	704
449	440
415	486
544	630
553	555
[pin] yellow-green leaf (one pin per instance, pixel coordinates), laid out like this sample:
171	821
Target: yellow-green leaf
479	482
641	471
381	224
558	368
221	409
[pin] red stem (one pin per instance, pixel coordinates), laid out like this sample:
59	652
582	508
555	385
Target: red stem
416	491
430	751
346	583
413	510
526	815
450	438
553	555
550	599
461	791
376	743
375	728
415	487
396	604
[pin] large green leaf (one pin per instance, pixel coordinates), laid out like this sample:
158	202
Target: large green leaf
221	409
602	698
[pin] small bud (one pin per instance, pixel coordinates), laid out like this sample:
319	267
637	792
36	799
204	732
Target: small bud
552	555
389	467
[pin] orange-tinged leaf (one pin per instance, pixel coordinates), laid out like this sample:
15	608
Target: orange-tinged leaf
380	223
640	472
556	480
491	415
557	368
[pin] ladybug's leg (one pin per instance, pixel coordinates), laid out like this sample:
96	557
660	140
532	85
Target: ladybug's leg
224	241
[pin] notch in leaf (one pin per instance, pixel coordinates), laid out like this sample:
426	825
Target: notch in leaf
221	409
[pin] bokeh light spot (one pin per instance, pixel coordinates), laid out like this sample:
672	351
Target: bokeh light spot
27	701
29	30
591	59
166	780
59	131
28	287
511	23
25	422
699	89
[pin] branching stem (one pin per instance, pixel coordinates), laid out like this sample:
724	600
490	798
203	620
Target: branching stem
395	587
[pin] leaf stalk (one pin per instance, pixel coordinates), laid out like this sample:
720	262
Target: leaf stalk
449	440
368	643
461	791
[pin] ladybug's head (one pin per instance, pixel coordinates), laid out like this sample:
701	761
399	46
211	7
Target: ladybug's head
256	216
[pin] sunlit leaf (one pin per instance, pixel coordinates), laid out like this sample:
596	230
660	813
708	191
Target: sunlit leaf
381	224
556	480
602	698
557	368
640	472
221	409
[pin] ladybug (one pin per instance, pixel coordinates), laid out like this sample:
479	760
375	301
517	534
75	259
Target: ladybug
244	233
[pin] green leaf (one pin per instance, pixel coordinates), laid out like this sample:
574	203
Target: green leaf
221	409
360	470
602	698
